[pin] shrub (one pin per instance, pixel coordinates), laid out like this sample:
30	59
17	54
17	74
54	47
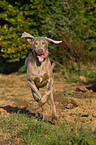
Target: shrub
15	18
22	69
66	24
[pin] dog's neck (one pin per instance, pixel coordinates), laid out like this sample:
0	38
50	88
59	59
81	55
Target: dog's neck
36	59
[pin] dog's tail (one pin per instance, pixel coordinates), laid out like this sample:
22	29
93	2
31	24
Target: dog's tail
53	65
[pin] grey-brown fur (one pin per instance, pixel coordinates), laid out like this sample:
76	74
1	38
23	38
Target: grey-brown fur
40	72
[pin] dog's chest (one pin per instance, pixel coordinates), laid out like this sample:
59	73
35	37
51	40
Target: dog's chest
39	75
41	81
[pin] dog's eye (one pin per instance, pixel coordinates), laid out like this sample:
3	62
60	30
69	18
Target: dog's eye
43	43
36	44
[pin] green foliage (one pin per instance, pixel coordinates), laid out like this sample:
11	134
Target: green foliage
14	22
22	69
90	74
89	16
25	130
17	17
69	94
72	22
74	67
66	24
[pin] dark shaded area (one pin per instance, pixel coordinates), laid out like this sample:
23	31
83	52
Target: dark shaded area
91	85
80	90
85	115
2	22
11	109
7	67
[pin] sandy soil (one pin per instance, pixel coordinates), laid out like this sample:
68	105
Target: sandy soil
75	102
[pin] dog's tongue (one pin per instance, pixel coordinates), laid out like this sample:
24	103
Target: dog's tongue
41	57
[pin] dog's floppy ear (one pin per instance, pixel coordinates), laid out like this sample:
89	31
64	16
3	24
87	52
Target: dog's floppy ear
56	42
25	34
30	40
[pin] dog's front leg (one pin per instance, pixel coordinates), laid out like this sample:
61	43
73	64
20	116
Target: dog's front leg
36	94
35	91
45	119
41	100
44	99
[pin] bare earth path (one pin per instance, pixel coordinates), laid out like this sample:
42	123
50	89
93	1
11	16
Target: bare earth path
75	102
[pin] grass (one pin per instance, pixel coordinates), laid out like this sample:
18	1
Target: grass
71	81
69	94
6	91
22	69
20	129
90	74
72	76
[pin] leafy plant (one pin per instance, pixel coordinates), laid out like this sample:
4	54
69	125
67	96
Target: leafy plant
89	12
22	69
17	17
72	22
66	24
91	74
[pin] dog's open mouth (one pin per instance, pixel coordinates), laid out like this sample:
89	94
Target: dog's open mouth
41	57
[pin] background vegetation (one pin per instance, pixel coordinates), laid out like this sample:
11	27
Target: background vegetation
72	21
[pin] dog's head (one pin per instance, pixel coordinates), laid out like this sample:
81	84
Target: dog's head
39	45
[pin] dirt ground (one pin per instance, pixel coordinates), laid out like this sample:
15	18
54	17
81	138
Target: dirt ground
75	102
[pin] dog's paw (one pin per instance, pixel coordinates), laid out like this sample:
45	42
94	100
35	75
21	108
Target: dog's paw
54	118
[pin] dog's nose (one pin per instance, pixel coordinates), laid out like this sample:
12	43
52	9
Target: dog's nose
40	51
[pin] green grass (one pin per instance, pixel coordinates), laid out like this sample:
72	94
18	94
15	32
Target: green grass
90	74
22	69
20	129
71	81
69	94
6	91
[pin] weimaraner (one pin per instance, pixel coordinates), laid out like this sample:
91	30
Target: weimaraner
40	72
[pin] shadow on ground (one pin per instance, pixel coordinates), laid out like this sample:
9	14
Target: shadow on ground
11	109
91	85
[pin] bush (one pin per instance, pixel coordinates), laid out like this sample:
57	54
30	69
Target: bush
17	17
89	17
22	69
66	24
91	74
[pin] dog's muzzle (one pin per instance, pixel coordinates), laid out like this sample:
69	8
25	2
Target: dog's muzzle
41	56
